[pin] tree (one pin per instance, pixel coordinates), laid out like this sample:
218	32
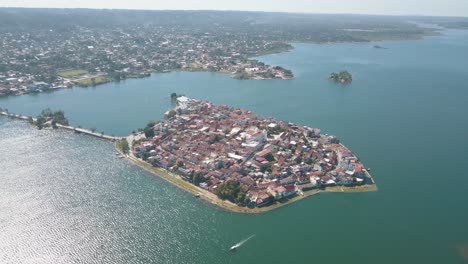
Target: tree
171	114
265	167
123	145
180	164
149	131
197	178
232	191
240	196
214	138
269	157
298	160
173	97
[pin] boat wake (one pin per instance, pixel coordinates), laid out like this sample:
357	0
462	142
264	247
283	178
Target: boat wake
233	248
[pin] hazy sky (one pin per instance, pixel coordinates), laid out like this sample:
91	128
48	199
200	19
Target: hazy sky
387	7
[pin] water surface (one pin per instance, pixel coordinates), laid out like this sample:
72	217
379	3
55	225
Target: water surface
66	198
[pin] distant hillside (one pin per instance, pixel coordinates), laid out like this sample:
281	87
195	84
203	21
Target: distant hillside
276	26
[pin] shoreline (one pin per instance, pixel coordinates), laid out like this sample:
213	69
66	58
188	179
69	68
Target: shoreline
429	33
68	128
232	207
205	195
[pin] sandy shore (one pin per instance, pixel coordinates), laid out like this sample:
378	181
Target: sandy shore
229	206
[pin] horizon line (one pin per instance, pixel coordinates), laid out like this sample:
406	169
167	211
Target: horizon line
233	10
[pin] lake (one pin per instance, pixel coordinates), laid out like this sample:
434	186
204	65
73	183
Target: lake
67	198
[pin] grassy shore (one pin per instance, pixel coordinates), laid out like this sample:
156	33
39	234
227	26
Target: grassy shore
72	73
229	206
92	81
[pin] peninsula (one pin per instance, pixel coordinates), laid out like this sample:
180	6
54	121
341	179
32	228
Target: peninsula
243	162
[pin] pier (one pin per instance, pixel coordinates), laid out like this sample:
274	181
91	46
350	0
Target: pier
70	128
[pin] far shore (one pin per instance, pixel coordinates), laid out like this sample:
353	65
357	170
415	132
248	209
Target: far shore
232	207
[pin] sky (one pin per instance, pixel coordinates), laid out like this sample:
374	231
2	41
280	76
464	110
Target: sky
382	7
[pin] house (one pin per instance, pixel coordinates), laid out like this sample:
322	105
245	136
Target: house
38	86
290	190
264	152
263	199
288	180
247	181
277	192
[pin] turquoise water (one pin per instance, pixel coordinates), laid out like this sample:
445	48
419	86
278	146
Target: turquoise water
67	198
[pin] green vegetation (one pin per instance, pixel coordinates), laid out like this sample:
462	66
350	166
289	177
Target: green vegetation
171	114
197	178
72	73
180	164
48	117
287	73
275	130
149	132
174	98
242	76
232	191
270	157
123	145
341	77
214	138
93	81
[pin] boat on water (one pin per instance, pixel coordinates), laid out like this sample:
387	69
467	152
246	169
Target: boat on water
234	248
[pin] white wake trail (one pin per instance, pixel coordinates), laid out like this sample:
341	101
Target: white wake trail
243	241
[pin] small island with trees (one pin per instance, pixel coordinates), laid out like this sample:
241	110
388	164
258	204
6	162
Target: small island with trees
343	77
49	118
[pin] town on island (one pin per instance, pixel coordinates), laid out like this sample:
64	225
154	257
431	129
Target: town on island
231	157
244	162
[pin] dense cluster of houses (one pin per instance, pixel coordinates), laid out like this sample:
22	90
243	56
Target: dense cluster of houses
17	83
125	52
269	159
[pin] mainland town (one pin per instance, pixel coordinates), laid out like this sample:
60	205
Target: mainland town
92	47
248	160
47	60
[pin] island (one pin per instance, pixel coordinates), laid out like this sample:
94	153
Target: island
49	118
343	77
243	162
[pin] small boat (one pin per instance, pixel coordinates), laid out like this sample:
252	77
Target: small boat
197	195
234	248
